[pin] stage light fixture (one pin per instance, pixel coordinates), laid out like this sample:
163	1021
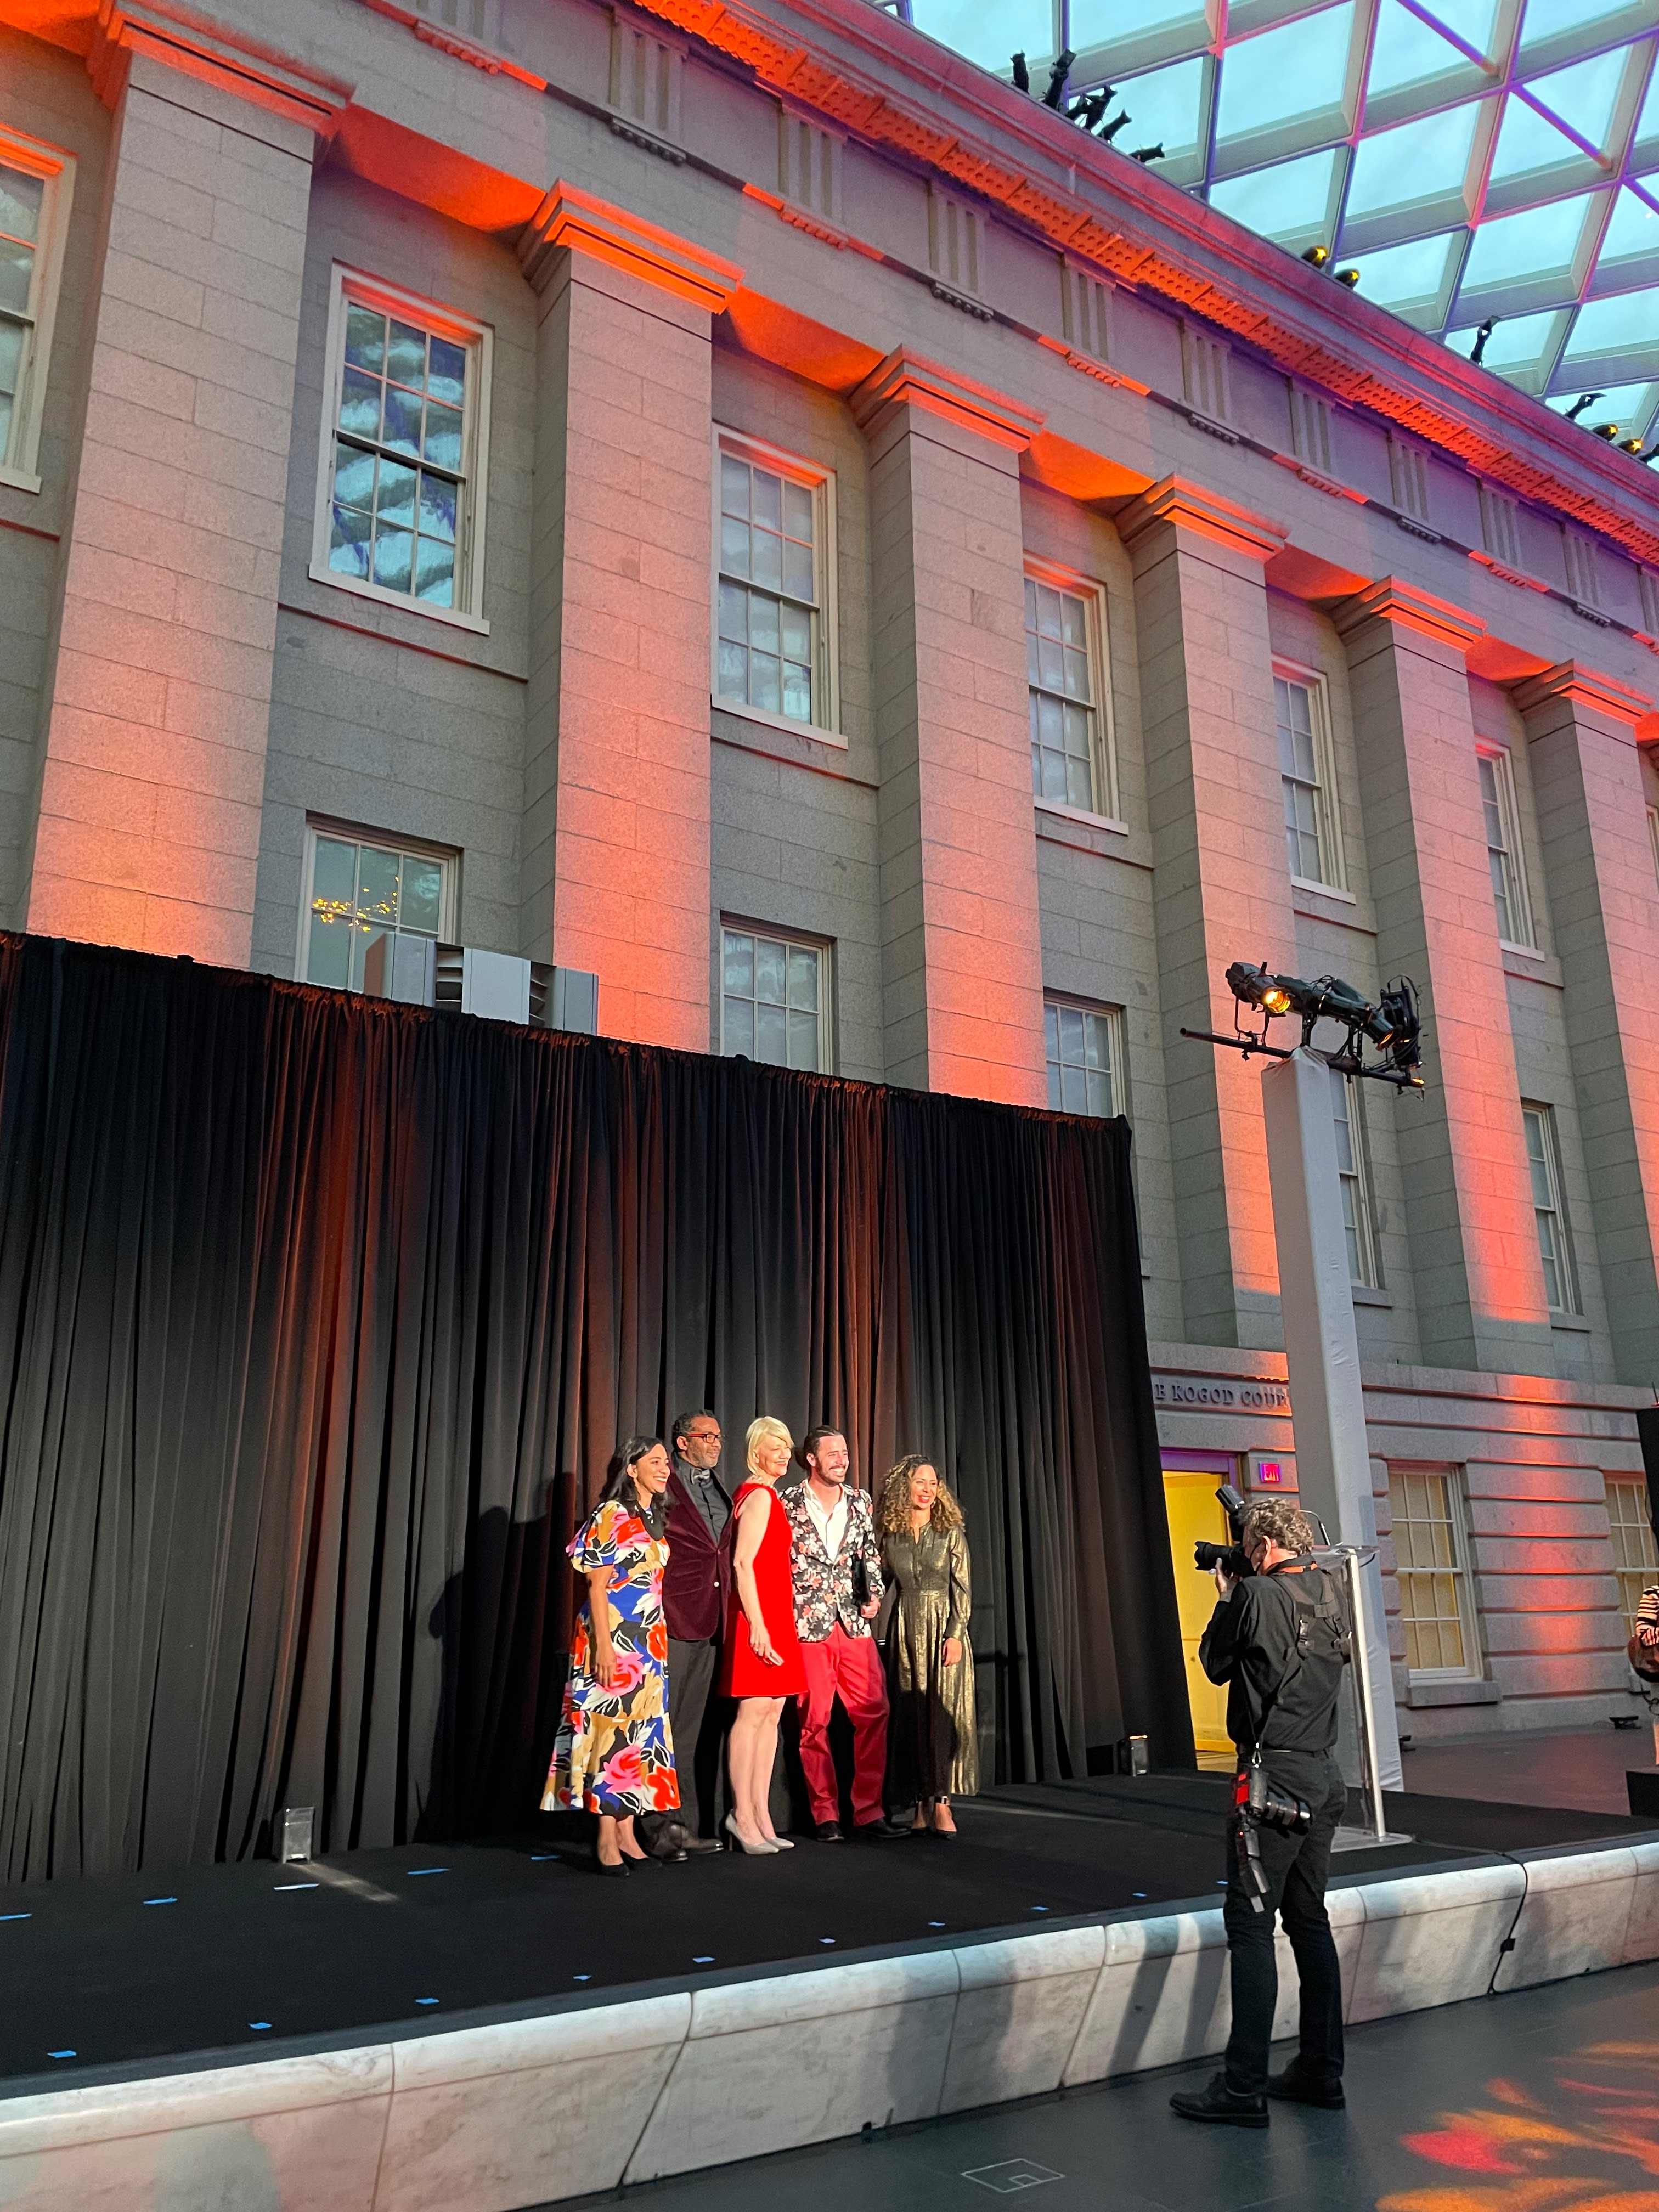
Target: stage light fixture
1115	125
1392	1024
1348	276
1057	76
1607	430
1317	256
1584	399
1144	154
1630	446
1485	330
1253	985
1022	74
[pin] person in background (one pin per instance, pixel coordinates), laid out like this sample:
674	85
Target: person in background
695	1586
760	1664
837	1567
931	1735
614	1754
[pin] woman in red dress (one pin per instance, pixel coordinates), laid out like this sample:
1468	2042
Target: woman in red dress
760	1666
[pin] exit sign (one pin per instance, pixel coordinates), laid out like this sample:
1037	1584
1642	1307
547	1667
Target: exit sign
1269	1475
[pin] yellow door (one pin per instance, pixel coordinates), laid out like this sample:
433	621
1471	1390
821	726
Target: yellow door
1194	1513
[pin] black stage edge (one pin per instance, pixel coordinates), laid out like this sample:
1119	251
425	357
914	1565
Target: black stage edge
126	1974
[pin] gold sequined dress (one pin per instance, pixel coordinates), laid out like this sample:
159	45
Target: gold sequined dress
933	1743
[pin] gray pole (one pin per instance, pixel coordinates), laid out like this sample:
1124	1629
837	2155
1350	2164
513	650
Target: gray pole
1333	1458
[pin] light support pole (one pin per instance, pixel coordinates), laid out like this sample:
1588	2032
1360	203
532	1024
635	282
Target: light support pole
1333	1458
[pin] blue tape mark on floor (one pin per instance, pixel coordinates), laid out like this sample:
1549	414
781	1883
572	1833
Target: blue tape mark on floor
1141	1894
259	2025
412	1871
60	2054
826	1938
707	1961
1039	1908
581	1978
160	1900
279	1887
16	1916
936	1923
426	2000
538	1857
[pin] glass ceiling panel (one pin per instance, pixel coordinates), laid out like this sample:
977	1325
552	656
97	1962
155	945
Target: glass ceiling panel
1632	406
1255	102
1282	77
1584	96
1413	162
1290	202
1166	108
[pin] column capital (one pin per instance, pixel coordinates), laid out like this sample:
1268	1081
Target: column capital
907	380
1390	600
249	70
1187	506
570	218
1583	687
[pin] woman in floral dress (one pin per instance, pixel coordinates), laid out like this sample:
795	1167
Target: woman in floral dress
614	1755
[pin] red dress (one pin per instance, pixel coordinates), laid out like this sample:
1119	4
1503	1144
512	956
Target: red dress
742	1674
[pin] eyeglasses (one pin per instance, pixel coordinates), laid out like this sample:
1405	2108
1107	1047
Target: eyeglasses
702	1436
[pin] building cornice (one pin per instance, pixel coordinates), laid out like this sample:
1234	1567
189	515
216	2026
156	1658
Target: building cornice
1585	687
208	51
1264	297
1187	506
909	379
1390	601
570	218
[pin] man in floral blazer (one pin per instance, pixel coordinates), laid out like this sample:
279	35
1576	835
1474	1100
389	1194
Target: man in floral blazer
836	1565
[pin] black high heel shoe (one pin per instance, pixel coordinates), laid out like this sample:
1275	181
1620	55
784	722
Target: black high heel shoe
615	1872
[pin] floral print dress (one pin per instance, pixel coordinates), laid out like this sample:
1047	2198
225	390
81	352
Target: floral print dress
614	1753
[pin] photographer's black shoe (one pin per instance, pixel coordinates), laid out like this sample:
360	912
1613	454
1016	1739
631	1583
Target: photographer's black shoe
1295	2088
1219	2102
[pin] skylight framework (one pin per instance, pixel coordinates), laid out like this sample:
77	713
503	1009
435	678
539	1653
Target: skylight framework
1475	159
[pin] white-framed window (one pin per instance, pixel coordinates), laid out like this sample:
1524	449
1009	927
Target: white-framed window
1065	669
404	452
1635	1554
1313	847
1437	1607
360	882
1358	1222
1555	1242
1509	875
37	182
774	566
774	997
1084	1049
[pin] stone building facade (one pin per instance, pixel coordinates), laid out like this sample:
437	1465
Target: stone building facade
730	499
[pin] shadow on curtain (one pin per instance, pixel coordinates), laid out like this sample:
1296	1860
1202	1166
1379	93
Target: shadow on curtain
319	1319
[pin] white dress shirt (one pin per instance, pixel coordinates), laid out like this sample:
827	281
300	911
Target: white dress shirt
830	1521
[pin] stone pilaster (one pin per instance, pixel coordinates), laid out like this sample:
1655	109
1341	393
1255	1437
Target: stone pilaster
154	728
615	870
1221	889
1478	1278
1604	909
962	956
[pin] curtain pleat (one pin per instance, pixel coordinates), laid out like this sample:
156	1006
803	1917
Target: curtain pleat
320	1318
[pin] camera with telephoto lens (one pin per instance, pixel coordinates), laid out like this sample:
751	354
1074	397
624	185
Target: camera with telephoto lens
1230	1558
1265	1805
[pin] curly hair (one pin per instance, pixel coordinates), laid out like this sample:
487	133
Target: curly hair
893	1511
1283	1523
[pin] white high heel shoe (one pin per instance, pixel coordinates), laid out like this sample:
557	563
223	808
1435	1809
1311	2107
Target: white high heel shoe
782	1843
764	1849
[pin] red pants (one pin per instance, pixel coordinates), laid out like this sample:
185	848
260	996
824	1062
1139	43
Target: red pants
848	1667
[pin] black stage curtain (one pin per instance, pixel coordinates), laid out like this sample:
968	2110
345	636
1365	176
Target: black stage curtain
319	1319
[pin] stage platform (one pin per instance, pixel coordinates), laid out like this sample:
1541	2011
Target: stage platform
488	2026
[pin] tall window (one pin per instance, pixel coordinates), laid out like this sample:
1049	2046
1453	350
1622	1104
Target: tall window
772	647
401	505
35	184
1062	665
1435	1605
361	884
1084	1050
1356	1188
1311	845
1554	1244
1509	883
1635	1555
775	998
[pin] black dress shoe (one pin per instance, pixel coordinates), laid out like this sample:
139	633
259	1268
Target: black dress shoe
828	1832
1296	2088
876	1831
1219	2102
699	1847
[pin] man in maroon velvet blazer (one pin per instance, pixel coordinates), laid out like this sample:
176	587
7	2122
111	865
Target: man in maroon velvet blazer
693	1592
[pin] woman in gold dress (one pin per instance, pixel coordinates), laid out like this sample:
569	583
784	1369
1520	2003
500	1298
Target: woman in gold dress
932	1747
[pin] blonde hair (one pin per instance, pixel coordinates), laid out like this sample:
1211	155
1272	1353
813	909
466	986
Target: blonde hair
893	1513
767	1425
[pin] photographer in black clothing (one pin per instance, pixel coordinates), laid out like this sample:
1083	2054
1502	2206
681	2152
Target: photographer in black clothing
1278	1639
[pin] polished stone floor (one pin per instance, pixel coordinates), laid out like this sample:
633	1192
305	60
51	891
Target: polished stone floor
1541	2101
